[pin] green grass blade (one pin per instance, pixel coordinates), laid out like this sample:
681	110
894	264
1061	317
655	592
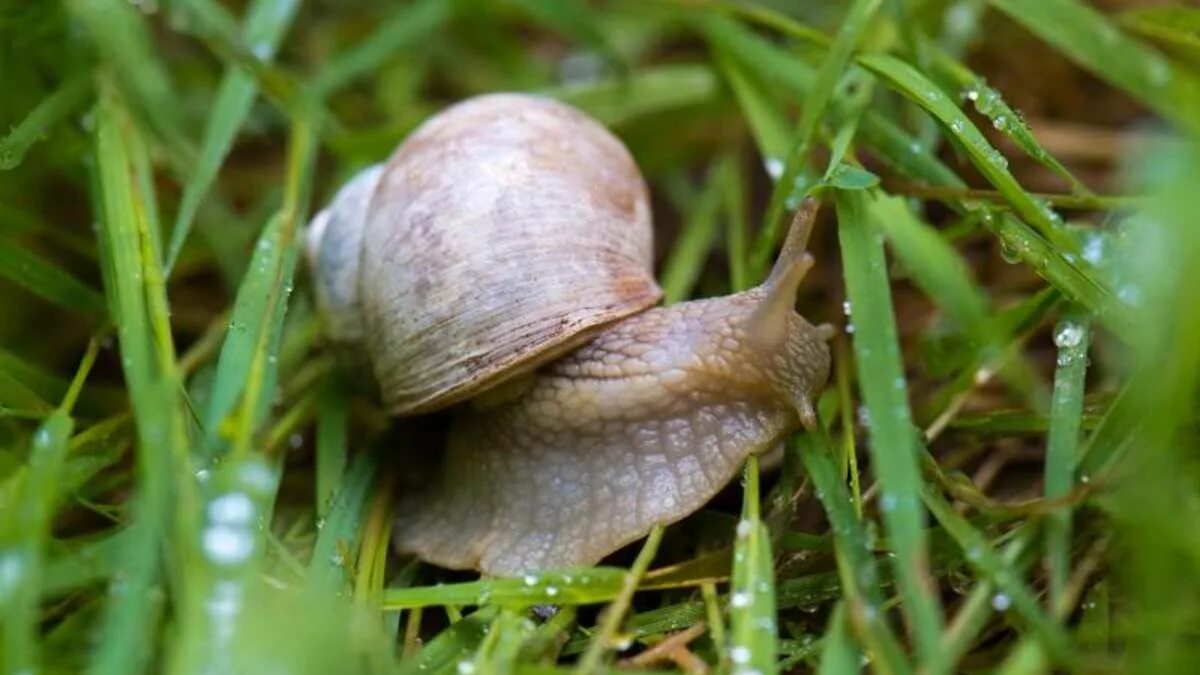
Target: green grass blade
406	26
654	89
1092	40
266	23
137	305
331	445
861	587
1066	411
752	615
989	565
454	645
340	532
893	450
693	244
246	369
120	35
614	615
838	652
573	587
832	68
39	122
28	531
1174	28
46	280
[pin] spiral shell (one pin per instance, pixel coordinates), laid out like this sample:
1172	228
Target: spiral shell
505	231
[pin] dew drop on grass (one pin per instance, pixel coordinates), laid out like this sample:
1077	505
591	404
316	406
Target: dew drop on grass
744	528
11	571
234	508
552	591
530	580
227	545
1001	602
739	654
846	307
1069	334
774	167
466	667
739	600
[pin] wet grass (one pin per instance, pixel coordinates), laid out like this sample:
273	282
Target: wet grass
1004	477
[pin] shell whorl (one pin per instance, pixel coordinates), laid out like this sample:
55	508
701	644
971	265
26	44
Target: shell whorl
505	231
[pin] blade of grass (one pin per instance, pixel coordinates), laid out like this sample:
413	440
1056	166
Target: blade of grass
340	533
834	65
38	123
120	35
649	90
614	614
894	454
989	565
862	592
1091	40
331	445
137	304
838	653
246	369
684	264
266	23
46	280
406	26
752	616
1062	445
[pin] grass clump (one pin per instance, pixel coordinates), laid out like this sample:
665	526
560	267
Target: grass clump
1004	477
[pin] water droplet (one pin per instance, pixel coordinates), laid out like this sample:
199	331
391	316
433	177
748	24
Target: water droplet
1069	334
1001	602
530	580
552	591
228	545
739	654
846	307
296	440
11	570
466	667
887	502
739	599
234	508
744	528
774	167
850	328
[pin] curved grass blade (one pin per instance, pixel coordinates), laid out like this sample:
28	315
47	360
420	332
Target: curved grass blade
407	26
266	23
247	367
834	65
649	90
1174	28
138	306
38	123
340	533
989	565
1092	40
838	652
46	280
120	35
693	244
862	592
753	639
1062	445
893	450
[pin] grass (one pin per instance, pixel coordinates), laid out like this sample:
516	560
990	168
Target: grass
1004	478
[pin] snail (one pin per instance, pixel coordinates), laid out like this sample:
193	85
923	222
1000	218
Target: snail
500	265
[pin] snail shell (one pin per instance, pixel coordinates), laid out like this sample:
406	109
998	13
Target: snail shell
505	231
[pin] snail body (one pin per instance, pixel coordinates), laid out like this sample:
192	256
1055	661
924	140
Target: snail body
592	415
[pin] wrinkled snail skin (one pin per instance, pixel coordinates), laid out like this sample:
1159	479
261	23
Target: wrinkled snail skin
641	426
500	265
